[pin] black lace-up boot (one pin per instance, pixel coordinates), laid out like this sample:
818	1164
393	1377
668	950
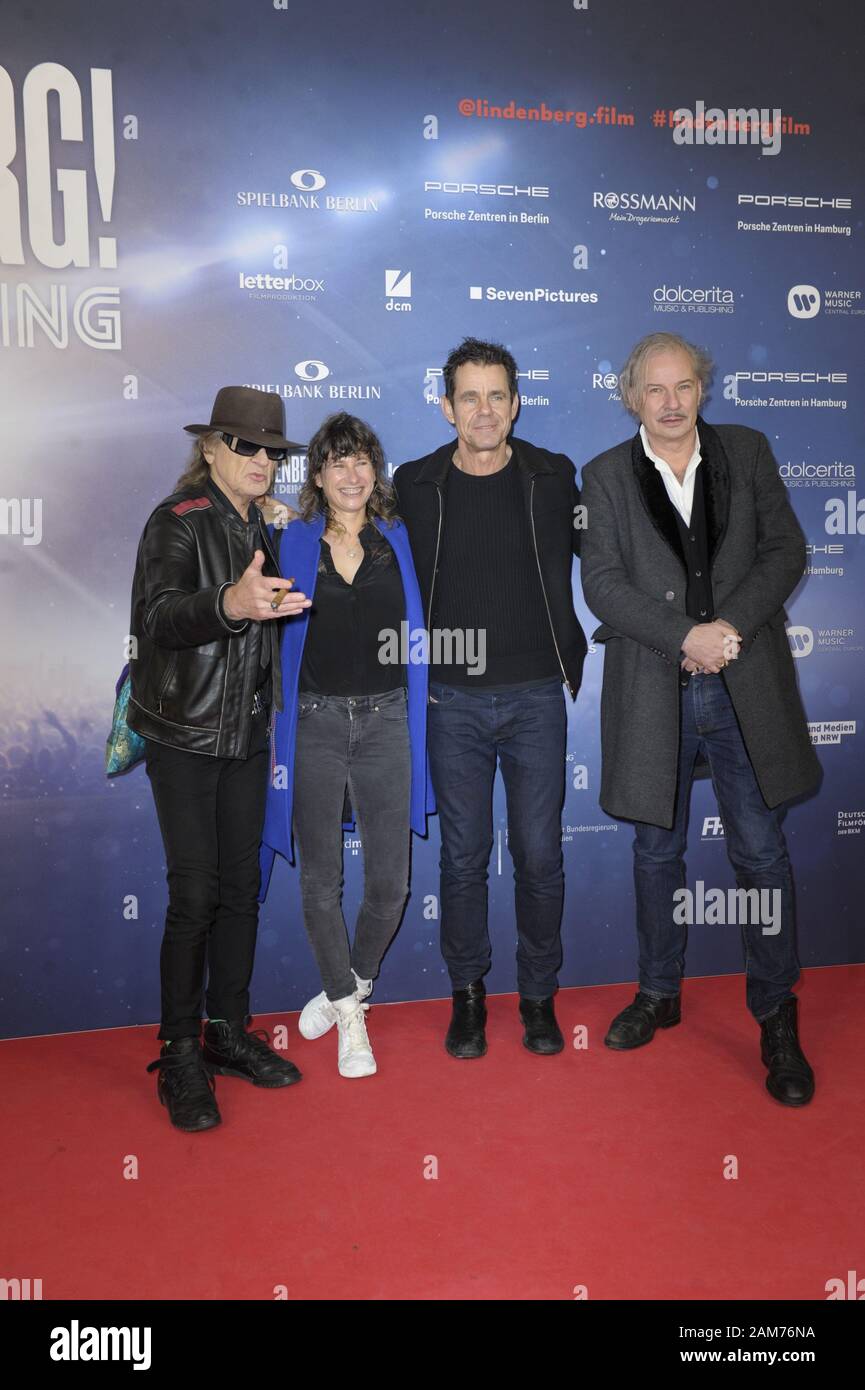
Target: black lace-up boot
790	1079
230	1050
186	1086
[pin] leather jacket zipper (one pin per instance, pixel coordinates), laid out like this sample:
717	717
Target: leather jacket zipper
544	592
169	672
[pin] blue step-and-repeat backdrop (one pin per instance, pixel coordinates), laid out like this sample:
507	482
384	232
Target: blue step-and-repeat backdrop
321	200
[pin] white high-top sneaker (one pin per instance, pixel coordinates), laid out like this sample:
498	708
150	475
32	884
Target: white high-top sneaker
355	1054
318	1015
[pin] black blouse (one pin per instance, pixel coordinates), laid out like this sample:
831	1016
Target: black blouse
341	655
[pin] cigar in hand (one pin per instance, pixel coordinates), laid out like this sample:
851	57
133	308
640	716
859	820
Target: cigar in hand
280	594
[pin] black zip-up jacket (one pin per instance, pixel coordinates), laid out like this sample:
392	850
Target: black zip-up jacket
551	495
194	671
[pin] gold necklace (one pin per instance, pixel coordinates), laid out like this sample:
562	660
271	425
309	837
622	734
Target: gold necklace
352	554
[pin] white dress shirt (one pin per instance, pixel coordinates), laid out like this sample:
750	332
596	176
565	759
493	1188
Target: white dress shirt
680	494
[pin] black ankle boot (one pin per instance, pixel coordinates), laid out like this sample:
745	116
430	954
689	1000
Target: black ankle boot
230	1050
790	1079
186	1086
465	1036
636	1024
542	1034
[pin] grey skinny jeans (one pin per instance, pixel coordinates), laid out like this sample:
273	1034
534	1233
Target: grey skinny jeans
360	743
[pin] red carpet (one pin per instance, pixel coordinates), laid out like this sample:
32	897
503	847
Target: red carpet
590	1168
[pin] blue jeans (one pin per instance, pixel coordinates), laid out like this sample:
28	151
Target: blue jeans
756	847
523	732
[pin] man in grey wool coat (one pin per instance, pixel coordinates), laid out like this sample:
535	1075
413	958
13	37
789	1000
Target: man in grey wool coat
690	551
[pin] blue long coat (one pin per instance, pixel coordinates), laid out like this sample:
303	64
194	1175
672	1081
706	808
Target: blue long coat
299	555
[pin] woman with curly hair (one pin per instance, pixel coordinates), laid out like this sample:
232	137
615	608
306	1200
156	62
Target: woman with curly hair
353	723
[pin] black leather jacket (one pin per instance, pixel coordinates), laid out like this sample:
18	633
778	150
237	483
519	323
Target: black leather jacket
193	670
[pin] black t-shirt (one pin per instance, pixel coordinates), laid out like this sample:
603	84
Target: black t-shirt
344	647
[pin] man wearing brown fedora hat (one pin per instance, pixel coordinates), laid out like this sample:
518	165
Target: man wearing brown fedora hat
205	676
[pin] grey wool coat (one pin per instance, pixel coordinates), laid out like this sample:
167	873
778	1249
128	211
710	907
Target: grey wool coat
634	580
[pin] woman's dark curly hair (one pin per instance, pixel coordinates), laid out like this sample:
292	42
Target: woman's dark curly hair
339	437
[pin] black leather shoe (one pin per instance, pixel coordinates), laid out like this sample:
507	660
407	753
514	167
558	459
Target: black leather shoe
542	1034
230	1050
186	1086
466	1037
790	1079
636	1024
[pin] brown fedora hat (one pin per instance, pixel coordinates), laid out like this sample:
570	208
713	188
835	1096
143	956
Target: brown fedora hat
250	414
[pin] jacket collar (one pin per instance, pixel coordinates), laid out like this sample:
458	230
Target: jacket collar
253	526
436	466
716	490
218	497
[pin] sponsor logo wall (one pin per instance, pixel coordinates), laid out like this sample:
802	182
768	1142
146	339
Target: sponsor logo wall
263	195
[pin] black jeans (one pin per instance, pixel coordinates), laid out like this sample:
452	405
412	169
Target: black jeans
362	743
211	814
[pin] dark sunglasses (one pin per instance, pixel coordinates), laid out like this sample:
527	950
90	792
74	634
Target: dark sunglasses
247	448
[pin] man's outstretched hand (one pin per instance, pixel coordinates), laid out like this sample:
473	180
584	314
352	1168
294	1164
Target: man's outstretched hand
252	596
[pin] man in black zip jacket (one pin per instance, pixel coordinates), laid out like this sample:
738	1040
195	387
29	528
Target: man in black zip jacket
494	523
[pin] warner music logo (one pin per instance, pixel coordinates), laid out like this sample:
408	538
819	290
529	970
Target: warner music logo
817	474
486	190
836	641
539	295
687	299
801	641
837	301
803	301
806	301
804	641
307	194
645	207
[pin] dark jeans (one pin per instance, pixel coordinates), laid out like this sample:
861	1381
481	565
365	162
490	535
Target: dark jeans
360	743
211	813
756	847
523	732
